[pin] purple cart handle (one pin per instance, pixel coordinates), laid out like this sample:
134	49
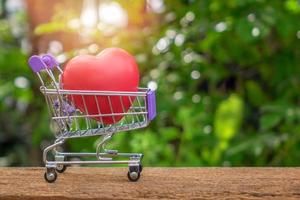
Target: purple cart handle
38	63
151	104
49	60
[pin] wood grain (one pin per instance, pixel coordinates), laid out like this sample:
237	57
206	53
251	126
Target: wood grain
155	183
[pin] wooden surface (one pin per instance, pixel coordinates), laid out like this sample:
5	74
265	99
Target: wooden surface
155	183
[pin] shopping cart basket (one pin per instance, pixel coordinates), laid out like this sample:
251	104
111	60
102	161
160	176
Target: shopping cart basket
67	121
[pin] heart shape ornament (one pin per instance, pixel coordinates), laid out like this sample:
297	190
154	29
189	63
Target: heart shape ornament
112	70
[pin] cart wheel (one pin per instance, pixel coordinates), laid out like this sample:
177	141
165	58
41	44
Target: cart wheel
134	172
140	168
61	168
50	175
133	176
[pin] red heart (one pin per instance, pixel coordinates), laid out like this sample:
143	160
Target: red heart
112	70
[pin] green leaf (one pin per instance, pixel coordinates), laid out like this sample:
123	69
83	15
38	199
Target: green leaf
244	29
170	133
268	121
293	6
50	27
228	117
255	93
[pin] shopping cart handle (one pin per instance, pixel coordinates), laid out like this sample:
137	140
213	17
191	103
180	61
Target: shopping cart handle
151	104
50	61
38	63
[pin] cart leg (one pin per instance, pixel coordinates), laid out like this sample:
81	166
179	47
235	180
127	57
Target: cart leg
51	147
60	168
50	174
107	152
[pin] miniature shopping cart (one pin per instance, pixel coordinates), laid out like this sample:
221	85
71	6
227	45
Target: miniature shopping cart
67	121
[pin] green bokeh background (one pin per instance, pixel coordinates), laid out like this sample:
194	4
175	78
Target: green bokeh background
228	77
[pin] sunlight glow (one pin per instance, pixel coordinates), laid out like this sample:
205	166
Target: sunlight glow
207	129
113	14
55	47
179	39
255	32
195	74
88	16
178	95
157	6
251	17
21	82
74	23
152	85
162	44
221	26
61	58
196	98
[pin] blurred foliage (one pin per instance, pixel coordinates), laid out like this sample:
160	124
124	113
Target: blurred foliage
13	100
228	84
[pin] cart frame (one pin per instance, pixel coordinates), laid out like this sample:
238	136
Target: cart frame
71	122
